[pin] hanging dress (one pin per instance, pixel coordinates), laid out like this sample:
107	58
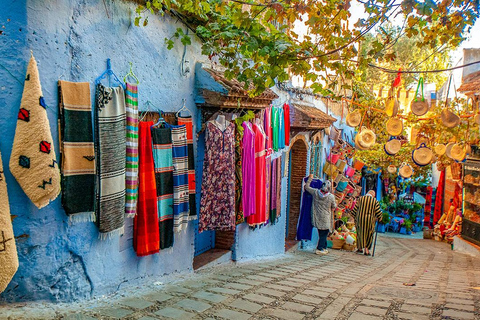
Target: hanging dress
275	127
305	226
217	203
286	116
260	215
281	129
248	169
273	198
268	127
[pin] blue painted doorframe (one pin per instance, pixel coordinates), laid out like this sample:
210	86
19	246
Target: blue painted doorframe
206	240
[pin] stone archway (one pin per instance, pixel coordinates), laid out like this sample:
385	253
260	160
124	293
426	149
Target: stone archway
298	159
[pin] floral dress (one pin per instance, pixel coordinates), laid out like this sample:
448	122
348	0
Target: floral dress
217	203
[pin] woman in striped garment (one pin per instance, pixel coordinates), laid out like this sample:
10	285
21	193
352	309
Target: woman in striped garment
366	212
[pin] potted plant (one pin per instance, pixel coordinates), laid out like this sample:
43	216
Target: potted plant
408	227
403	229
385	221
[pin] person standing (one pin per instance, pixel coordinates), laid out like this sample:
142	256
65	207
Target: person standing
365	213
322	212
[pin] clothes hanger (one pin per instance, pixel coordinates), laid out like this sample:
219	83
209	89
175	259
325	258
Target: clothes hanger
183	108
131	74
147	104
108	73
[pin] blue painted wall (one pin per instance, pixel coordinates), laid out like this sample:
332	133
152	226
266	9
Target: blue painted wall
71	40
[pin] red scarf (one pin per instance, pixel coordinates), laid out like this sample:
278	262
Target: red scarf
437	213
146	235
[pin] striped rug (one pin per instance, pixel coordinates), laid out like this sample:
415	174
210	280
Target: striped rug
131	173
187	121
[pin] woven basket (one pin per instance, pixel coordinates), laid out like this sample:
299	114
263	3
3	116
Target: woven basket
348	247
338	244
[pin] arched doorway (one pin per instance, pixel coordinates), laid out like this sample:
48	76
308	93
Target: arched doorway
298	163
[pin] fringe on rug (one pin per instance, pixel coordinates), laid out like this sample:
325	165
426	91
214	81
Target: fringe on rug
112	234
130	215
82	217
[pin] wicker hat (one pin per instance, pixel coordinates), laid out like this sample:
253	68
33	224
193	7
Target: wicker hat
354	118
394	126
449	119
422	156
357	144
391	107
391	169
366	138
458	152
448	149
440	149
405	170
392	146
476	118
419	108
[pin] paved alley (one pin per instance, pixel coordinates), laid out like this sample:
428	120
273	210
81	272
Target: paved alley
407	279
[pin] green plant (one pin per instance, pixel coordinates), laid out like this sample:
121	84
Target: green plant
408	225
385	217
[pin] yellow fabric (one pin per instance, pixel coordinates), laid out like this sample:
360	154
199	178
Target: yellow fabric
8	250
33	162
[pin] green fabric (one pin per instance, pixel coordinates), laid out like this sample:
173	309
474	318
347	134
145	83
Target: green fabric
275	127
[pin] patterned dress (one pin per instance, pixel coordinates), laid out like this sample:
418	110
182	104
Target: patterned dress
260	216
217	203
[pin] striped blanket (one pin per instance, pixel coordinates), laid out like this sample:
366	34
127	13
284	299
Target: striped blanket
163	158
110	146
77	152
187	121
180	178
131	173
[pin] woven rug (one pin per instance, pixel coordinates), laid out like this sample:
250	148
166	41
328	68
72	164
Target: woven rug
146	238
77	151
192	205
163	158
131	173
273	200
8	250
180	178
110	145
33	161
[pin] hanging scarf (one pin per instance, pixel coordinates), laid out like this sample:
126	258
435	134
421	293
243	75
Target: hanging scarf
305	226
8	250
428	208
180	178
33	161
437	212
248	169
286	115
281	129
192	205
110	145
279	185
238	175
273	200
131	173
146	238
163	158
77	151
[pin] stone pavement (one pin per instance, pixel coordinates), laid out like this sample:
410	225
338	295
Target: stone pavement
301	285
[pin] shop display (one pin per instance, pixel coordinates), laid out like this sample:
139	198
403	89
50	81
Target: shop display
146	238
110	146
419	107
8	249
131	173
77	151
163	162
471	200
187	122
33	161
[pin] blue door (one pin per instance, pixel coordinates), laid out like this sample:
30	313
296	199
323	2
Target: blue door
206	240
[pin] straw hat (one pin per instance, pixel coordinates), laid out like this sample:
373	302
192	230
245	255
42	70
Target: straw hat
391	169
449	119
476	118
392	147
448	149
419	108
440	149
422	156
405	170
391	107
354	118
366	138
357	144
394	126
458	153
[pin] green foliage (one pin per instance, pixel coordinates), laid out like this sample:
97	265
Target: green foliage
408	225
255	41
385	217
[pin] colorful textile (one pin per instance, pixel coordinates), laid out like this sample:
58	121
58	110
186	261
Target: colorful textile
187	121
146	238
131	173
428	208
217	203
260	216
238	176
437	212
77	151
322	208
8	249
110	146
279	186
180	178
273	199
366	212
248	169
304	225
286	115
268	184
281	128
275	114
268	127
33	162
163	159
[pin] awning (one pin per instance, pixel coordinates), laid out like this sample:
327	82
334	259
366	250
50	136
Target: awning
470	84
308	117
215	90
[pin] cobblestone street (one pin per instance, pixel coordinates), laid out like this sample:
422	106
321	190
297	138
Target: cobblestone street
301	285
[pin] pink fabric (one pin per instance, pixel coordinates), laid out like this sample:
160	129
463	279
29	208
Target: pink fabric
268	127
248	170
260	216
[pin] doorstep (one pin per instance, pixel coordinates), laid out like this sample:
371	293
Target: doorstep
212	258
463	246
